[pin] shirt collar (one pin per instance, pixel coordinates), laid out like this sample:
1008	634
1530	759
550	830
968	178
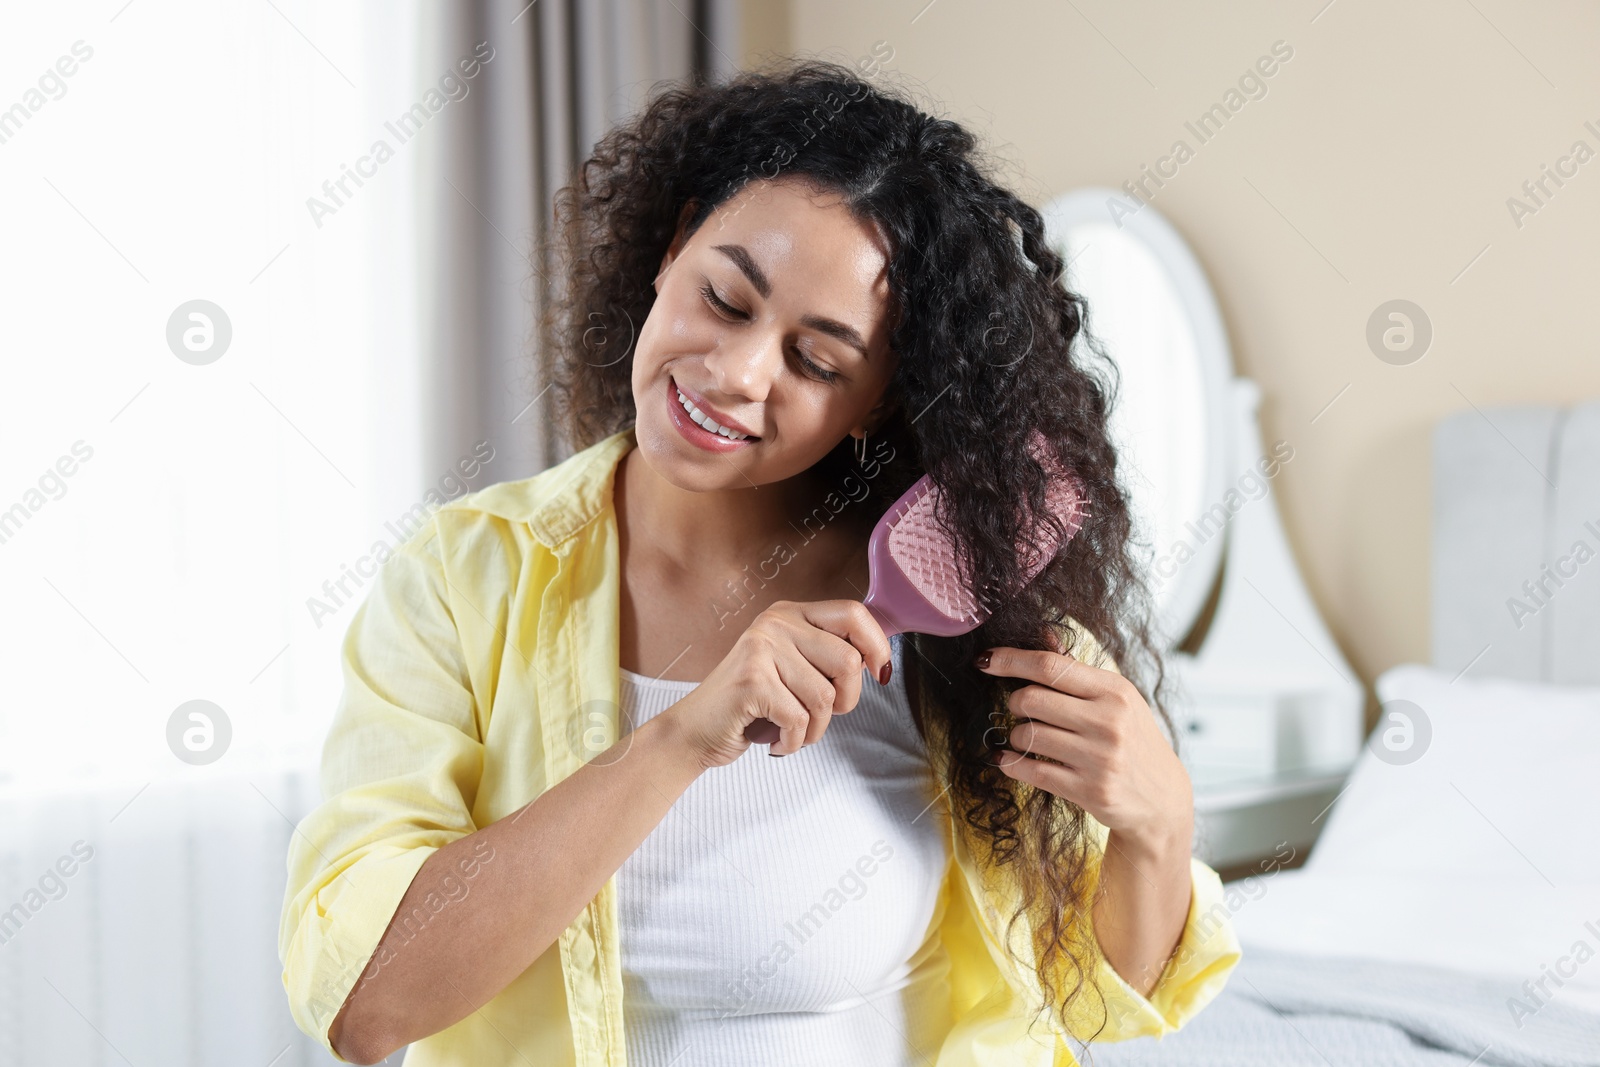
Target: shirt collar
576	490
563	499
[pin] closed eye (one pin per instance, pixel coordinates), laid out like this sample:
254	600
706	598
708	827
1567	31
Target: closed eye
722	307
717	302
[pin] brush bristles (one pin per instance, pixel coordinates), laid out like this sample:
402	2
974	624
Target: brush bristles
922	549
927	555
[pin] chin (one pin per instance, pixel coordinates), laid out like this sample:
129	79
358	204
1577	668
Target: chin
681	450
663	451
676	461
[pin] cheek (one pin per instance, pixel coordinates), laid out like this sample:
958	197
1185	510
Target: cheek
650	334
811	413
657	342
675	327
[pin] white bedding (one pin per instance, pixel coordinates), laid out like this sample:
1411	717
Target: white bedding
1506	785
1452	879
1501	929
1482	853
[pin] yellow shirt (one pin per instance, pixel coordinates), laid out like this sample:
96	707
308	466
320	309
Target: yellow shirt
481	670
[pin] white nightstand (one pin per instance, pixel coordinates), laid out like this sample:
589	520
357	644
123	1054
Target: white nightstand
1267	755
1245	820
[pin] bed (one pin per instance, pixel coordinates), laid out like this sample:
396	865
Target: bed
1449	913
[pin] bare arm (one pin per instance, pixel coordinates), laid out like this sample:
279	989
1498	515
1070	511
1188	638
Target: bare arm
548	861
1142	906
1105	753
552	856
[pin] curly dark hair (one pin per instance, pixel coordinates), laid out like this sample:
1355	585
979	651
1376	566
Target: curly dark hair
992	346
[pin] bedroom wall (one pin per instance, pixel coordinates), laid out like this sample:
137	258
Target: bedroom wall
1377	165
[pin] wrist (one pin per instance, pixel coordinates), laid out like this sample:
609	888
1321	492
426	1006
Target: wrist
1156	843
677	747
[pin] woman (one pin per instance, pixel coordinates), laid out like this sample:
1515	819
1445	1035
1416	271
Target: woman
546	838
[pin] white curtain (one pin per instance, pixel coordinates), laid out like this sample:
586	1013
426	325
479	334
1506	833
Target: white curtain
563	72
179	528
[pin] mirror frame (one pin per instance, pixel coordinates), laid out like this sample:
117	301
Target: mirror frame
1193	583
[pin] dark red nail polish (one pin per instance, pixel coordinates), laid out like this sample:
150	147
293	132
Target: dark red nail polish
884	675
981	660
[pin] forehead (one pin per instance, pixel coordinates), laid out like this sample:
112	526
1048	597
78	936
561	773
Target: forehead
806	241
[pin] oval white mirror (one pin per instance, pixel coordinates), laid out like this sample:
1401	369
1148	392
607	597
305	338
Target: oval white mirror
1151	309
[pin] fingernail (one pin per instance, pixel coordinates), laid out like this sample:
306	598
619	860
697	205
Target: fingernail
981	660
780	755
883	675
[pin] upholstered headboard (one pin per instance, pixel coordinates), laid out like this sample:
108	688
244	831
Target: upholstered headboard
1516	543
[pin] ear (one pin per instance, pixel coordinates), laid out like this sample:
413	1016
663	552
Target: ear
874	418
678	241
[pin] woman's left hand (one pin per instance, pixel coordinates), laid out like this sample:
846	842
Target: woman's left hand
1114	761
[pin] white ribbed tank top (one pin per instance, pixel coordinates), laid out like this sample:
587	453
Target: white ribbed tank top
783	911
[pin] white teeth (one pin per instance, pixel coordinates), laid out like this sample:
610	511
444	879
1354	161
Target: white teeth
705	421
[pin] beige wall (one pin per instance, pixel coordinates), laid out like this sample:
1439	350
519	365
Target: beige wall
1377	166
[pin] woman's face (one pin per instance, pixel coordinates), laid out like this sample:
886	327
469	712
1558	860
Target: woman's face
771	321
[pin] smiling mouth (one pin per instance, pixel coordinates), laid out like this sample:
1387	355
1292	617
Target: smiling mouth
703	422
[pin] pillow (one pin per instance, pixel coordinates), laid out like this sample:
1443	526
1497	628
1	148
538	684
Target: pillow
1487	927
1477	778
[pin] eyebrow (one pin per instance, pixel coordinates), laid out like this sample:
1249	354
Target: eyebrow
832	327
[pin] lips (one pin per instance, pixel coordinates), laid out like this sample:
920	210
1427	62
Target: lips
695	434
712	413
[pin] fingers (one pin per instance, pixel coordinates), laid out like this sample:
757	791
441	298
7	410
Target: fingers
1064	782
851	621
1057	670
816	695
789	714
1040	739
833	657
819	651
1042	704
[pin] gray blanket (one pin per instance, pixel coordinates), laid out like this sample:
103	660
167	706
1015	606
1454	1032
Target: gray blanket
1287	1009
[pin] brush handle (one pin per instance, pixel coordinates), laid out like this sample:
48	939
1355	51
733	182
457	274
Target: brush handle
894	597
762	732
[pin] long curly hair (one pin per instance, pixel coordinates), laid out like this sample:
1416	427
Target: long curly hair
992	346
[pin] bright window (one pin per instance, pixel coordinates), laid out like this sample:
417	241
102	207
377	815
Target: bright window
164	520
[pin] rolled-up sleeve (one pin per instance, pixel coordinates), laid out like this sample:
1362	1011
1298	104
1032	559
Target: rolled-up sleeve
400	772
1207	952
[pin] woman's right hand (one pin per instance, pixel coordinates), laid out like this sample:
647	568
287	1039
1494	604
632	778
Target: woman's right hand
796	665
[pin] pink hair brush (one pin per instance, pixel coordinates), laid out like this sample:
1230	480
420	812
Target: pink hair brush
916	584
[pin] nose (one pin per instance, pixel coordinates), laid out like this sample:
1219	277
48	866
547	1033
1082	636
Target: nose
745	368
